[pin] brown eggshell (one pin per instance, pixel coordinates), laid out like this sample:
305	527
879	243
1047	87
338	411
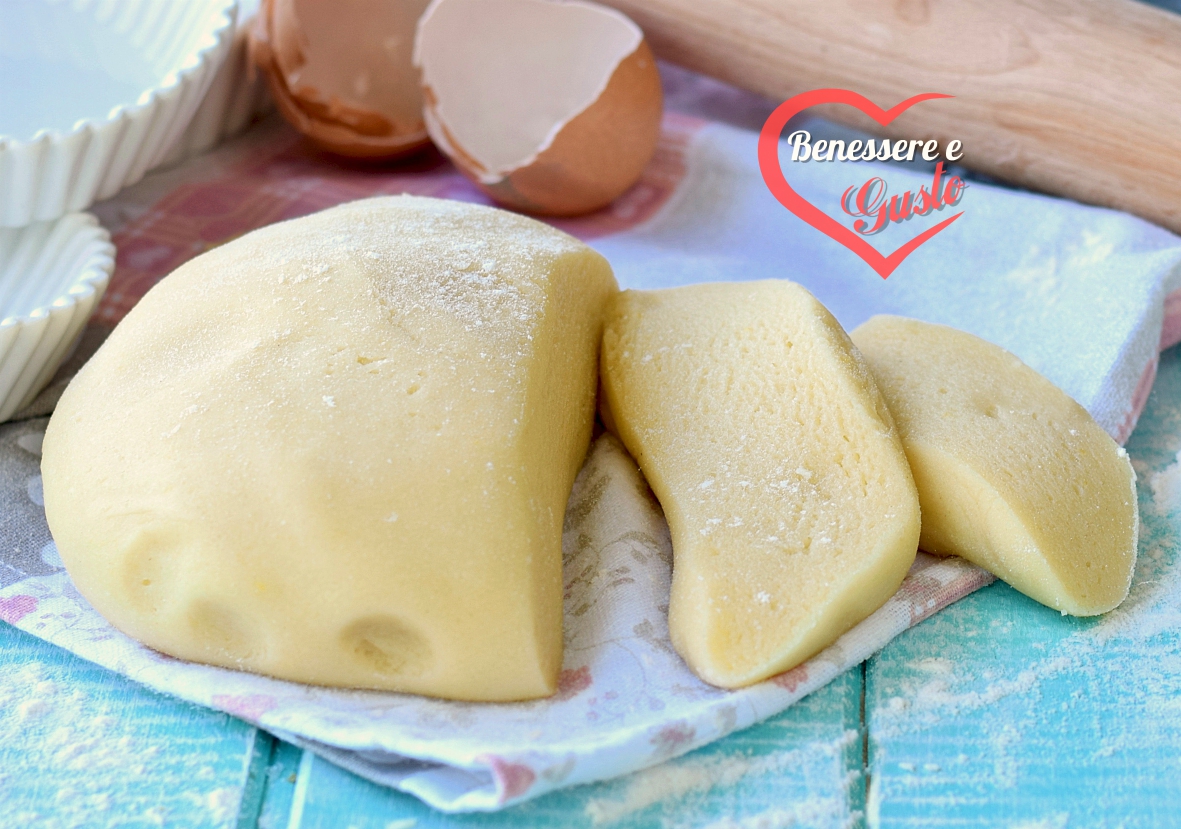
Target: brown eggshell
586	161
278	46
598	154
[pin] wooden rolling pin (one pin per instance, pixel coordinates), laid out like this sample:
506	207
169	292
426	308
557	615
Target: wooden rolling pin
1080	98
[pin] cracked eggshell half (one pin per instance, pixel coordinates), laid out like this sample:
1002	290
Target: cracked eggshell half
341	73
550	107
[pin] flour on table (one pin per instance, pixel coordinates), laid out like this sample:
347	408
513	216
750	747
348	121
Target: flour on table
82	738
697	775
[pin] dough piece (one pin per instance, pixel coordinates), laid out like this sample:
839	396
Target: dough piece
792	510
338	450
1013	475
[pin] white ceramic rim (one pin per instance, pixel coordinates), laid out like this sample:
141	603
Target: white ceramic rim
173	80
237	96
34	344
92	277
57	172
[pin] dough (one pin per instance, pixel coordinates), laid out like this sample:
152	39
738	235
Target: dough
1013	475
792	510
338	450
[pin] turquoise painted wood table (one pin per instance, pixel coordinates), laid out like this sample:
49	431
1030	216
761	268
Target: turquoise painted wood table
995	713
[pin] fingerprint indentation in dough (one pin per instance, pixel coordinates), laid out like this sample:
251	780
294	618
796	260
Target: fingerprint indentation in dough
221	630
143	577
388	645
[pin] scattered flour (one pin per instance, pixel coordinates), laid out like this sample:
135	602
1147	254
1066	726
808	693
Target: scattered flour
1136	643
936	665
92	771
1166	487
697	775
222	804
814	811
1057	821
938	693
1154	604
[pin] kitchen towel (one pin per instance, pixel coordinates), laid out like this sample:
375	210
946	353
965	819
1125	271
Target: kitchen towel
1084	295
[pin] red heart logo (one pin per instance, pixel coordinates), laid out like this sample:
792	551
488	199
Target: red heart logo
793	201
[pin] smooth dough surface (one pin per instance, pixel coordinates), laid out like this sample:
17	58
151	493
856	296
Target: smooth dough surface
792	510
1013	474
338	450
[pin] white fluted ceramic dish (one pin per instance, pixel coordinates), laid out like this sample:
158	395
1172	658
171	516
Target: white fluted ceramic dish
237	95
52	275
93	93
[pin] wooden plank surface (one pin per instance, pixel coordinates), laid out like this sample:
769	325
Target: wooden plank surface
996	712
800	768
1001	712
81	747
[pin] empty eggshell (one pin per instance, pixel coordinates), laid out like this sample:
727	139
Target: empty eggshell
550	107
341	72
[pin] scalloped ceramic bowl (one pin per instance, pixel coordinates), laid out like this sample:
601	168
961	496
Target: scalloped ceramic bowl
52	275
93	93
237	95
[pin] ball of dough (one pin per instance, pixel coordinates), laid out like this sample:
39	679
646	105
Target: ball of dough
338	450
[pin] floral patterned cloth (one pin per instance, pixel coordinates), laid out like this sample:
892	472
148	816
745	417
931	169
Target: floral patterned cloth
1081	294
625	699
